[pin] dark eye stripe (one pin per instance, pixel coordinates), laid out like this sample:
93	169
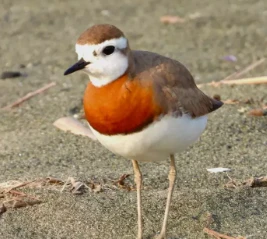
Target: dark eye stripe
108	50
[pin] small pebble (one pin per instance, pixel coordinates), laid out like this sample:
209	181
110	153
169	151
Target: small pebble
231	58
75	110
217	97
10	74
105	12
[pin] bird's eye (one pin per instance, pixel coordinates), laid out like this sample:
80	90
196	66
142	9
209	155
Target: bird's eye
108	50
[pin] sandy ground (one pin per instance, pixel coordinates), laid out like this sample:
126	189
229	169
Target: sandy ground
41	34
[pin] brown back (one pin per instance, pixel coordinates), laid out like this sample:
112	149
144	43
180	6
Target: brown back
176	91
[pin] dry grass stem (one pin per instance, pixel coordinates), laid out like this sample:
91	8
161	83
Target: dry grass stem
250	67
28	96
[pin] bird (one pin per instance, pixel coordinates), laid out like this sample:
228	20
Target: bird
140	105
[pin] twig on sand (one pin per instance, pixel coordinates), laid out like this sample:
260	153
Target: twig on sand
215	234
17	199
245	81
231	101
18	202
232	79
218	235
18	186
28	96
251	182
172	19
258	112
256	182
250	67
22	194
121	183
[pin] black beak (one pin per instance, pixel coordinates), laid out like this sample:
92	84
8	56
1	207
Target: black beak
77	66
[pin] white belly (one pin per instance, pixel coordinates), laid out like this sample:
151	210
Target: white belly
156	142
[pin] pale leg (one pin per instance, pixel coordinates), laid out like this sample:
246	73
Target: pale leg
172	176
138	181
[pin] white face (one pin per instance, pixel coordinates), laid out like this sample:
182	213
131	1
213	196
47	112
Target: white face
107	62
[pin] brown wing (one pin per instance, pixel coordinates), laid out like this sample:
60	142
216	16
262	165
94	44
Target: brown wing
176	91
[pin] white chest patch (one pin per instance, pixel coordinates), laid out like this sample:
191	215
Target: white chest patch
156	142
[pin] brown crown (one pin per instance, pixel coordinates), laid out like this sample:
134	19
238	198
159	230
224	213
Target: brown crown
99	33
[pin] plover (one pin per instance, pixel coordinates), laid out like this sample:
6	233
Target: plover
139	104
